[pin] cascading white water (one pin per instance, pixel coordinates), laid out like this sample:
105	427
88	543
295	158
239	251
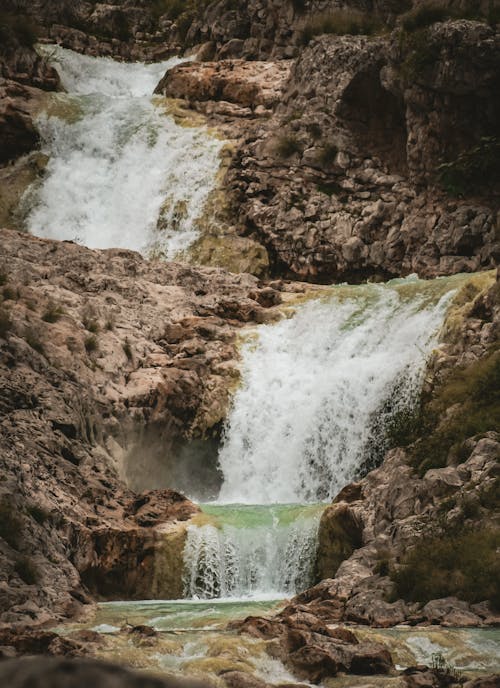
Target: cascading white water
318	388
251	551
122	173
317	393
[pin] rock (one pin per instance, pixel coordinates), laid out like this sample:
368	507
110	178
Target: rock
64	673
239	679
492	681
31	641
340	534
105	416
248	84
450	611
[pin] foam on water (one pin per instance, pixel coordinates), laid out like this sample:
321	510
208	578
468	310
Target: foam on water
122	173
251	551
319	388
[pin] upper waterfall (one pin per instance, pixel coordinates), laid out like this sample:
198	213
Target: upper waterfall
122	173
318	388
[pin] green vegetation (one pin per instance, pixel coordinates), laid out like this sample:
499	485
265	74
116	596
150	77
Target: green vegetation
314	130
17	29
328	152
37	512
287	145
432	11
33	339
467	404
27	570
182	12
465	565
10	524
91	344
52	313
331	189
420	54
127	349
5	322
299	6
340	23
473	170
9	294
444	670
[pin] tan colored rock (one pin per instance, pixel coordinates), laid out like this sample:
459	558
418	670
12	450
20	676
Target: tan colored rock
108	358
248	84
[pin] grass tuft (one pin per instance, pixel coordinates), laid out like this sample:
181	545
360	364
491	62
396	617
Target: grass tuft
287	145
340	23
465	565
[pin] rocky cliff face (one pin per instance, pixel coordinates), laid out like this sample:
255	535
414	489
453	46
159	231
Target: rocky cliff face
103	357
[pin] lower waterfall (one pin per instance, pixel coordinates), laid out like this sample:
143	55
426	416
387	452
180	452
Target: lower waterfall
121	172
317	393
259	551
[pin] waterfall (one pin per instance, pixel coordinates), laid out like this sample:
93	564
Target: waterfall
122	173
318	390
251	551
319	387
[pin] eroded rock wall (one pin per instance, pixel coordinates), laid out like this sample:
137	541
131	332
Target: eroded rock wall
97	348
342	183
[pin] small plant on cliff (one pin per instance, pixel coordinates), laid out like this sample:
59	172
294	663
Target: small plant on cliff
91	344
5	322
287	145
89	319
17	28
127	349
37	512
420	54
9	294
52	313
465	565
10	524
328	152
341	22
473	170
299	6
433	11
445	670
33	339
27	570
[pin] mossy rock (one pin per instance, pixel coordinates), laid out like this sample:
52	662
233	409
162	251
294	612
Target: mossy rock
169	561
230	251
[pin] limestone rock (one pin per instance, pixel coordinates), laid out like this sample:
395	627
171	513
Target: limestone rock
76	420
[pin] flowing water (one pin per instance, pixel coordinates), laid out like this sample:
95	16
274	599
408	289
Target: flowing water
257	551
122	173
193	640
318	390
